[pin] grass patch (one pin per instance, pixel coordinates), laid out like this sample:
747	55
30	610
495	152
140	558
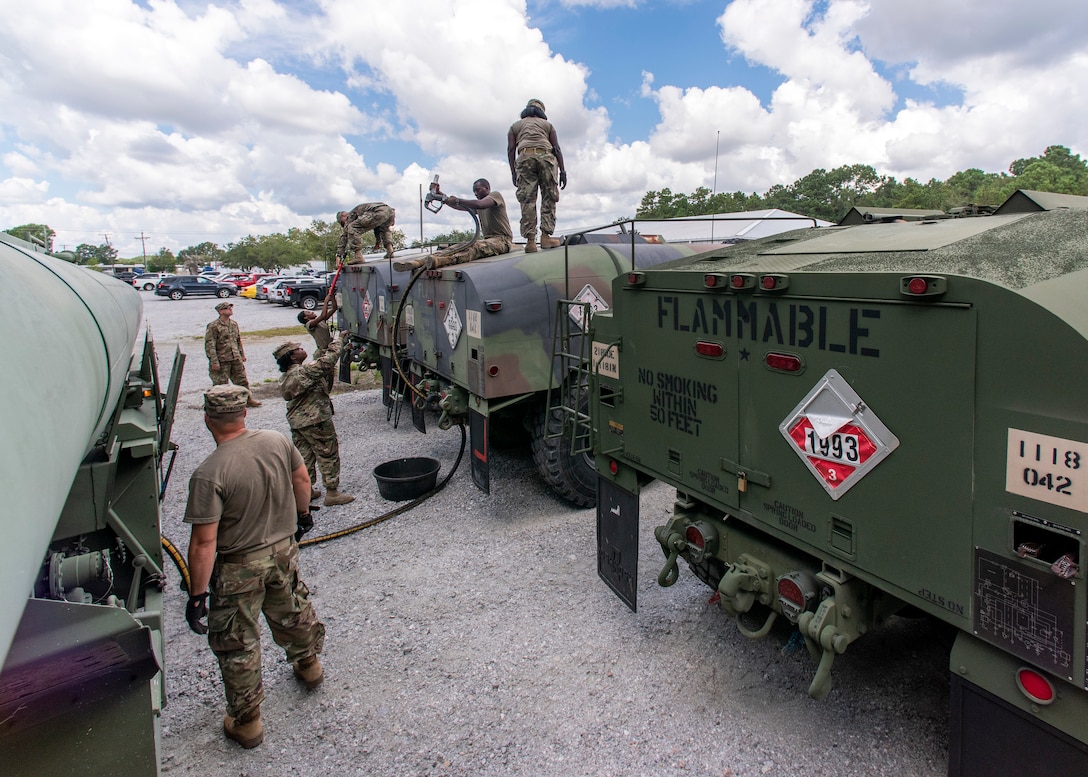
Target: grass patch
282	331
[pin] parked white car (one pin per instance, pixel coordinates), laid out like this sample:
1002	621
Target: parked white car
148	281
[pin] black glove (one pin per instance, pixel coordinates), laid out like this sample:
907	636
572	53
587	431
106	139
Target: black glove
562	179
304	523
196	609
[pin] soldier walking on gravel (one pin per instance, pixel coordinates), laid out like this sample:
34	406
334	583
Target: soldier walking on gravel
223	346
536	163
309	414
248	501
375	216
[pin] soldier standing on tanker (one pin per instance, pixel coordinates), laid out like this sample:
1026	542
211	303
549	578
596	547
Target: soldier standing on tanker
248	503
535	158
375	216
496	235
223	346
309	414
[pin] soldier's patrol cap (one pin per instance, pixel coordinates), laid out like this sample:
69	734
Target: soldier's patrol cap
283	350
224	305
225	399
535	102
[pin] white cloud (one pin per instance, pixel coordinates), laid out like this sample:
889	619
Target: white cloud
192	121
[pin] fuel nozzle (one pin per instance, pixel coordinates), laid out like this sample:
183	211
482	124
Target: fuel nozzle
434	195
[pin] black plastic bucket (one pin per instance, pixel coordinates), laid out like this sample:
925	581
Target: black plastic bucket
403	479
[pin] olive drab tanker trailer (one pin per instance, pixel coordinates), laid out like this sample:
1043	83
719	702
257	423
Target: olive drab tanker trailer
81	684
368	295
865	420
479	340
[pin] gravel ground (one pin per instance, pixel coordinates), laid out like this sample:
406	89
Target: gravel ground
471	636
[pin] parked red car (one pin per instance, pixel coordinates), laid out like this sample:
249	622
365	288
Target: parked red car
241	280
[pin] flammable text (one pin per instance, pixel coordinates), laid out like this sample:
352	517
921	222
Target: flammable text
795	324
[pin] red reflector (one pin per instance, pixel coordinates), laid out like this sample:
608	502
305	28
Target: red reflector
394	287
493	307
917	286
493	370
695	537
1035	686
737	281
791	592
613	467
769	282
712	350
783	361
635	278
710	281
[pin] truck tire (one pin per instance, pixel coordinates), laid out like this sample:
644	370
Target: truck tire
149	286
573	477
309	302
177	294
223	293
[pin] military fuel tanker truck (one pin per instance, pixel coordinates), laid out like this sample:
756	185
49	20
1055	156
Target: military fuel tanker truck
477	339
81	685
871	420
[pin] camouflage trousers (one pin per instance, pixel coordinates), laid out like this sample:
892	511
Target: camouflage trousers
485	246
321	451
233	371
380	220
537	172
240	592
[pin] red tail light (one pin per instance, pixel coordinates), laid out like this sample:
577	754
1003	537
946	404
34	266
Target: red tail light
1035	686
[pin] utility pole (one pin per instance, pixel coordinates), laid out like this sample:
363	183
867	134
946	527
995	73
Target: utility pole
143	241
717	139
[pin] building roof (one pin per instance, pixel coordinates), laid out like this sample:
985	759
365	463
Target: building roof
712	228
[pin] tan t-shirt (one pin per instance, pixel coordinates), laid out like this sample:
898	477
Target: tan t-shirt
246	486
493	221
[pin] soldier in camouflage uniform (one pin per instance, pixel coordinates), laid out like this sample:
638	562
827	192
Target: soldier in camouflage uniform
536	163
309	414
247	501
375	216
495	231
223	346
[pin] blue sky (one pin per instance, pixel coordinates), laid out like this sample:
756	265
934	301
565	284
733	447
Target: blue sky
185	121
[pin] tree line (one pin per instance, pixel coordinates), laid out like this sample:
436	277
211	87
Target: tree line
830	195
821	194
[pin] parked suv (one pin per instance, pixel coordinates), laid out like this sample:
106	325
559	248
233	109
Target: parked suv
180	286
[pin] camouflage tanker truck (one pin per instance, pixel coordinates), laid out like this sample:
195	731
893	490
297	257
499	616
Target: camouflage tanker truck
81	686
479	341
870	420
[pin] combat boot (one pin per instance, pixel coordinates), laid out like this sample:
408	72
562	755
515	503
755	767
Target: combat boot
334	497
547	241
314	494
388	250
530	246
248	734
309	671
251	402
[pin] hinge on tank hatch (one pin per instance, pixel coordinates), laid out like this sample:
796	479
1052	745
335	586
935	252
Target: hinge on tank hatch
745	475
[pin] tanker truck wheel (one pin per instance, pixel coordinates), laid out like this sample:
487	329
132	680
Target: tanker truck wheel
572	476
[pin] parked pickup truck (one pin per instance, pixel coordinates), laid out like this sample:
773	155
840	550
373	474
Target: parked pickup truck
306	293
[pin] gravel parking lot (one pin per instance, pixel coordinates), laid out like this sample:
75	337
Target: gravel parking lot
471	636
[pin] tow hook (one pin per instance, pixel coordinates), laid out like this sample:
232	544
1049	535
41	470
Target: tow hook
823	639
670	573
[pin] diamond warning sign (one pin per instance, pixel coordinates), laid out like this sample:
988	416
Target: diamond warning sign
836	435
366	305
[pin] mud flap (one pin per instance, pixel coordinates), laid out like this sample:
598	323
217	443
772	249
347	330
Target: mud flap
385	364
345	367
617	540
481	469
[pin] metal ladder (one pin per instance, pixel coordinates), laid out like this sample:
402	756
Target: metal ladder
571	358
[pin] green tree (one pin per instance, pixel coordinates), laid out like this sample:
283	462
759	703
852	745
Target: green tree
103	253
39	234
163	262
446	238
